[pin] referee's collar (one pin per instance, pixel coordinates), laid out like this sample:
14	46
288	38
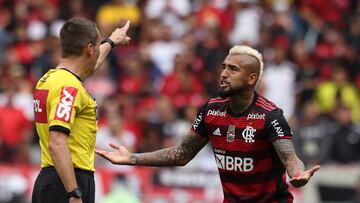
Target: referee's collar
72	73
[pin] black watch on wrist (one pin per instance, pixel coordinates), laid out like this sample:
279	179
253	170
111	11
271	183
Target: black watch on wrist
108	40
76	192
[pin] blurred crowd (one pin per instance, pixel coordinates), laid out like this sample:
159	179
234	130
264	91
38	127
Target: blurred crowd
149	91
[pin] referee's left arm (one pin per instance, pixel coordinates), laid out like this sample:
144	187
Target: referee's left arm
62	160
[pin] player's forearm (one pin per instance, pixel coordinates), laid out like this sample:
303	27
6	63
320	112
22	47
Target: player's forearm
174	156
286	153
294	166
62	160
105	49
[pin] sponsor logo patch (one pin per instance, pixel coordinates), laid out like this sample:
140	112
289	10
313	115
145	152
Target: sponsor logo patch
275	123
64	108
197	121
255	116
40	98
216	113
231	163
217	132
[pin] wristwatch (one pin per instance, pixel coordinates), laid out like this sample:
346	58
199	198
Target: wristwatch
108	40
76	192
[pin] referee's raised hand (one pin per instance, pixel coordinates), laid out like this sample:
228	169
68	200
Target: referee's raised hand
119	156
119	36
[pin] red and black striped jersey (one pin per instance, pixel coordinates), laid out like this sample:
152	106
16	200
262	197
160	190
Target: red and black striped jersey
249	168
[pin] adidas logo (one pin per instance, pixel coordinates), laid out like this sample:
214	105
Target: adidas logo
217	132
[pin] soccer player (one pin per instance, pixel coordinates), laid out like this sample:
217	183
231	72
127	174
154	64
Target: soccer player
66	115
250	137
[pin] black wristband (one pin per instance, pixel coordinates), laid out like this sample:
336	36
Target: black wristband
112	44
76	192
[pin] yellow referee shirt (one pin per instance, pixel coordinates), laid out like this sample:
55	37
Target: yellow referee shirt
61	103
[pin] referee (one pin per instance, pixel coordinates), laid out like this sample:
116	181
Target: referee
66	116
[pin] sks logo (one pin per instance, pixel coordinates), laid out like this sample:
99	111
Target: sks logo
255	116
231	163
64	108
216	113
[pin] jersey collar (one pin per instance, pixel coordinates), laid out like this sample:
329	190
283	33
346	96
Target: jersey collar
246	111
72	73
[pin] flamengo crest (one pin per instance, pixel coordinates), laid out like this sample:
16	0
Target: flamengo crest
249	134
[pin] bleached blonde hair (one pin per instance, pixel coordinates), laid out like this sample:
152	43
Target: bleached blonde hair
241	49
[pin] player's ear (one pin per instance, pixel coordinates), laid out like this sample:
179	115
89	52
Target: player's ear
253	77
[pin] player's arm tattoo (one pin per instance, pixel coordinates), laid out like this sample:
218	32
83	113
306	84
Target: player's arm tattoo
286	153
173	156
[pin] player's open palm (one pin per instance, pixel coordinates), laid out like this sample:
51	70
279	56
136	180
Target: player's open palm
304	177
119	156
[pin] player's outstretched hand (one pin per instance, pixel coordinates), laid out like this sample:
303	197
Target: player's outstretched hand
119	36
119	156
304	177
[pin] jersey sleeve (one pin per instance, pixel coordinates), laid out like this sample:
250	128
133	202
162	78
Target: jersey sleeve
64	104
277	126
198	125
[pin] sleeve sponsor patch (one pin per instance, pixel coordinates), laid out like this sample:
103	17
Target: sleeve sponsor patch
40	98
66	104
277	125
199	122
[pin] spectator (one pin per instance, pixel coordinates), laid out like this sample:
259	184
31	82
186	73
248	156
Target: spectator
281	75
48	25
148	89
169	12
15	130
182	87
164	49
341	88
111	14
310	133
100	86
344	137
247	23
114	131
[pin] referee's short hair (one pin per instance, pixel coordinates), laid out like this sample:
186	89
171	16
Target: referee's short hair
75	35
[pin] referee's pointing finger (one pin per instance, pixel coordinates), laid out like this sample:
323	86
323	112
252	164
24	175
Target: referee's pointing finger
126	26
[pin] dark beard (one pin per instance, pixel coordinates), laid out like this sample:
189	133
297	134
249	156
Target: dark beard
229	93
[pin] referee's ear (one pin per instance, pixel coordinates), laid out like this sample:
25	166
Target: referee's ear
90	49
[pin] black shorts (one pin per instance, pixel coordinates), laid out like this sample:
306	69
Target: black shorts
49	188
